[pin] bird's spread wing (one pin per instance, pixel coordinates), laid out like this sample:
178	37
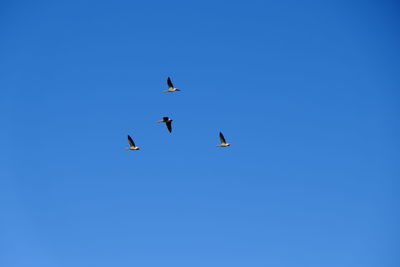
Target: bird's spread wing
169	125
222	138
131	143
170	85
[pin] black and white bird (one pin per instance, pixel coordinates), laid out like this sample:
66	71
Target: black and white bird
132	145
168	122
171	87
223	141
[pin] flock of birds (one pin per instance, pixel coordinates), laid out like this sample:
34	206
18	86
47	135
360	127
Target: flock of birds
168	123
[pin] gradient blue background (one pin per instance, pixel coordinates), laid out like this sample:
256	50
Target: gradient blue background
306	91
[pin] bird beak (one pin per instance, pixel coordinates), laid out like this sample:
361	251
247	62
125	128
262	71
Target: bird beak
177	89
159	121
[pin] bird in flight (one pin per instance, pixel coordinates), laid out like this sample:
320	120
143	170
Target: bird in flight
171	87
223	142
132	145
168	122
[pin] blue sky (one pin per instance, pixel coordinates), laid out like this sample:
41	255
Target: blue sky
307	92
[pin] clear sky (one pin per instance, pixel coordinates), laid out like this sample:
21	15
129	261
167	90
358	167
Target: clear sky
307	92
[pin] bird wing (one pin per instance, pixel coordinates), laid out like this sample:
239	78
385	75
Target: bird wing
131	143
169	125
222	138
170	85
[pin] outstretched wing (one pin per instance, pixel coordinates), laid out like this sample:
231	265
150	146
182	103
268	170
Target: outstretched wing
222	138
131	143
169	125
170	85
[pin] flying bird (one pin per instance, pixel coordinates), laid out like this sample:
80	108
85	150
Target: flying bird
223	142
168	122
171	87
132	145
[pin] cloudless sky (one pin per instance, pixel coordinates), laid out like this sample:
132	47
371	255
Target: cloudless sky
307	92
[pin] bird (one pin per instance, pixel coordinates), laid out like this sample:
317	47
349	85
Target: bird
171	87
223	142
168	122
132	145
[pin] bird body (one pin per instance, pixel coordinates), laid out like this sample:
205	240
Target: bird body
132	145
171	87
133	148
167	122
223	145
223	141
